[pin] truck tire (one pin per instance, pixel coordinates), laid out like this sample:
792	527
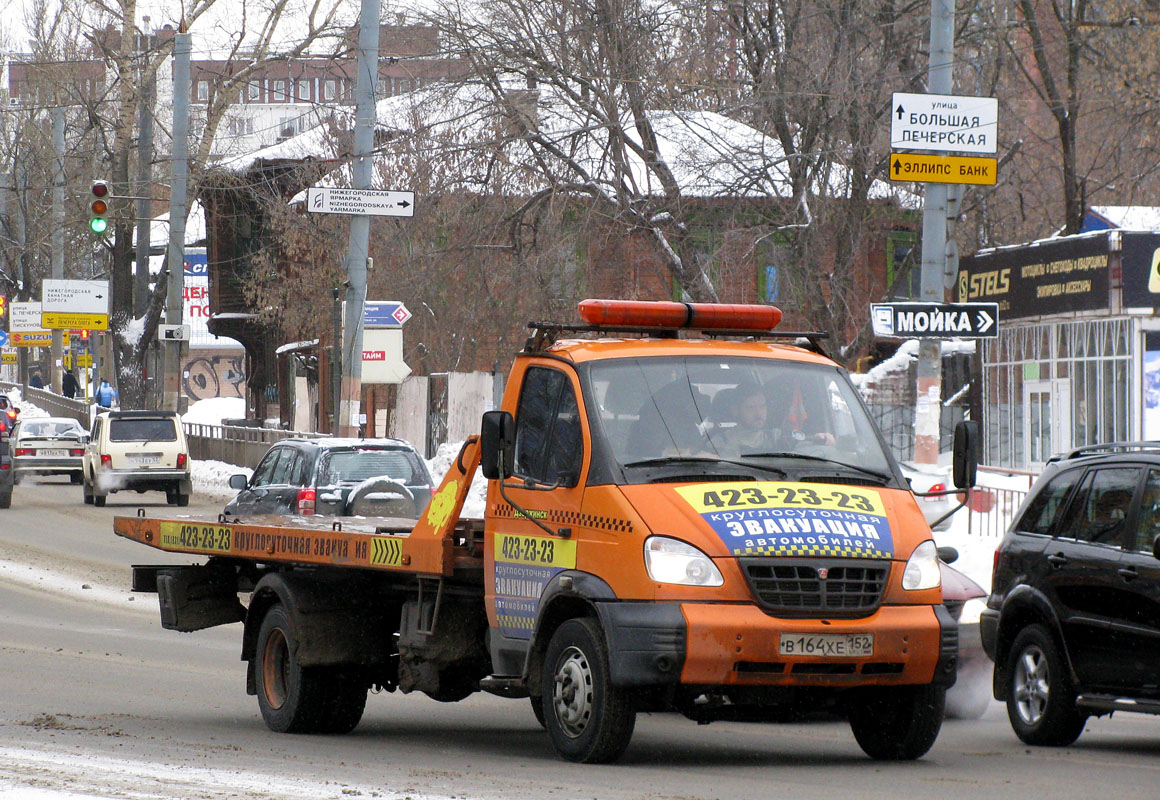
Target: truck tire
1040	697
292	699
346	703
897	723
590	720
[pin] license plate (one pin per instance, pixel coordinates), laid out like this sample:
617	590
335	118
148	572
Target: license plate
53	453
831	645
144	458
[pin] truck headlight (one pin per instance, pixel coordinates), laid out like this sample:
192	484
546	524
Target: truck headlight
922	569
673	561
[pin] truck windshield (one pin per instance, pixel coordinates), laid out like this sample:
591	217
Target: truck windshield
768	412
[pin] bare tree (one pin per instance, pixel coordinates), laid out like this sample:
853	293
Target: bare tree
106	122
602	62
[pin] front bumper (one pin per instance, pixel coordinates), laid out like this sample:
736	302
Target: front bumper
738	645
707	644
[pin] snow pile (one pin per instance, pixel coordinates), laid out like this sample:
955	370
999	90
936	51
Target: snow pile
213	410
212	478
27	410
476	500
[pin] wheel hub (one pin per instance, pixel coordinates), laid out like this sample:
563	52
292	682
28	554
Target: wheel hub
275	664
1032	685
572	693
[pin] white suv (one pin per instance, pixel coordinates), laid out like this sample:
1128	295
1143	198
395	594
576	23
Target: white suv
137	450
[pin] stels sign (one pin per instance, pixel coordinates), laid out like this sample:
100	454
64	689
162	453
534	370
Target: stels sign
1098	271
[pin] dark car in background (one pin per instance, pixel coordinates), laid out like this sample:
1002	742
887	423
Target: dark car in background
342	477
1073	619
48	446
8	414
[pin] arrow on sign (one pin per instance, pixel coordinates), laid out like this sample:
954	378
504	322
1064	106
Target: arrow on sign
897	166
901	110
983	322
402	204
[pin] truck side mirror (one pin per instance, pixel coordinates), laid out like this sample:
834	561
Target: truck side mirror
497	442
966	454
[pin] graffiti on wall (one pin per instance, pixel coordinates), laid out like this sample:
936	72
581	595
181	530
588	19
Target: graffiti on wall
214	373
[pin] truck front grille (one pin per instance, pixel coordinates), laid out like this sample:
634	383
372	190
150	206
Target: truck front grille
795	587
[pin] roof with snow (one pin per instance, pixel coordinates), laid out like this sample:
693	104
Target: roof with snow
710	155
1131	218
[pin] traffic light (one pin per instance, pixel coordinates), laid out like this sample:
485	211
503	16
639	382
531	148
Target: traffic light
3	306
84	334
99	216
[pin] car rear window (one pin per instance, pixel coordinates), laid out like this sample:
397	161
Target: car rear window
142	429
37	429
355	466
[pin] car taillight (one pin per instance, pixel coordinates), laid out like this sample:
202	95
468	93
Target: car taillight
76	452
106	461
938	487
181	460
11	414
25	451
306	499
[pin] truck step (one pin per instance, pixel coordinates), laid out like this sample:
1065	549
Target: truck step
504	686
1105	703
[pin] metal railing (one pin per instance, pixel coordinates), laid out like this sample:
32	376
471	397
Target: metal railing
998	494
236	444
54	404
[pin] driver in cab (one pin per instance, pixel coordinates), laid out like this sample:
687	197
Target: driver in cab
751	435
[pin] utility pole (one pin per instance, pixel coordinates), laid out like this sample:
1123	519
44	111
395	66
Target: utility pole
928	406
57	235
144	187
360	225
182	46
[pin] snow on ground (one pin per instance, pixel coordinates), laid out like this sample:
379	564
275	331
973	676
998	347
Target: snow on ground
27	410
213	410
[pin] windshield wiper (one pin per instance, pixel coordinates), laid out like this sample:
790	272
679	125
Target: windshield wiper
806	456
662	460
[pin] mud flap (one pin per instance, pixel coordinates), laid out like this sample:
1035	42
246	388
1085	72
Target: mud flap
194	598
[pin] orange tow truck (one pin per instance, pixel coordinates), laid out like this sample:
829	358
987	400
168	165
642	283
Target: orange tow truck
686	511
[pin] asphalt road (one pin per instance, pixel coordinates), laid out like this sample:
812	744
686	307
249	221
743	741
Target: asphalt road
96	700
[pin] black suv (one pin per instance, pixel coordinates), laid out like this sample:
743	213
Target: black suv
343	477
1073	619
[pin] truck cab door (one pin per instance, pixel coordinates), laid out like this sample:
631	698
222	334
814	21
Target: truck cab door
550	465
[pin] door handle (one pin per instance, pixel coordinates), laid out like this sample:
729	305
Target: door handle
1057	559
1128	573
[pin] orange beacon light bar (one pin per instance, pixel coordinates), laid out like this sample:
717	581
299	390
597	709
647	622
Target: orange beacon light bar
648	314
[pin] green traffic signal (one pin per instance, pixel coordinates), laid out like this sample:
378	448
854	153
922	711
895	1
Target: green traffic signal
98	223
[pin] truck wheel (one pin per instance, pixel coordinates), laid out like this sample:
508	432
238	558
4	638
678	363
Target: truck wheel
589	719
538	710
1040	697
292	699
346	701
897	723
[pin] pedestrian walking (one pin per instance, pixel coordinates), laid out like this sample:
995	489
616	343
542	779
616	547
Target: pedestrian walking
68	385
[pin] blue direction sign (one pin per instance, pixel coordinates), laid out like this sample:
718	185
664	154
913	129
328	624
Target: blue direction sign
384	314
3	338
